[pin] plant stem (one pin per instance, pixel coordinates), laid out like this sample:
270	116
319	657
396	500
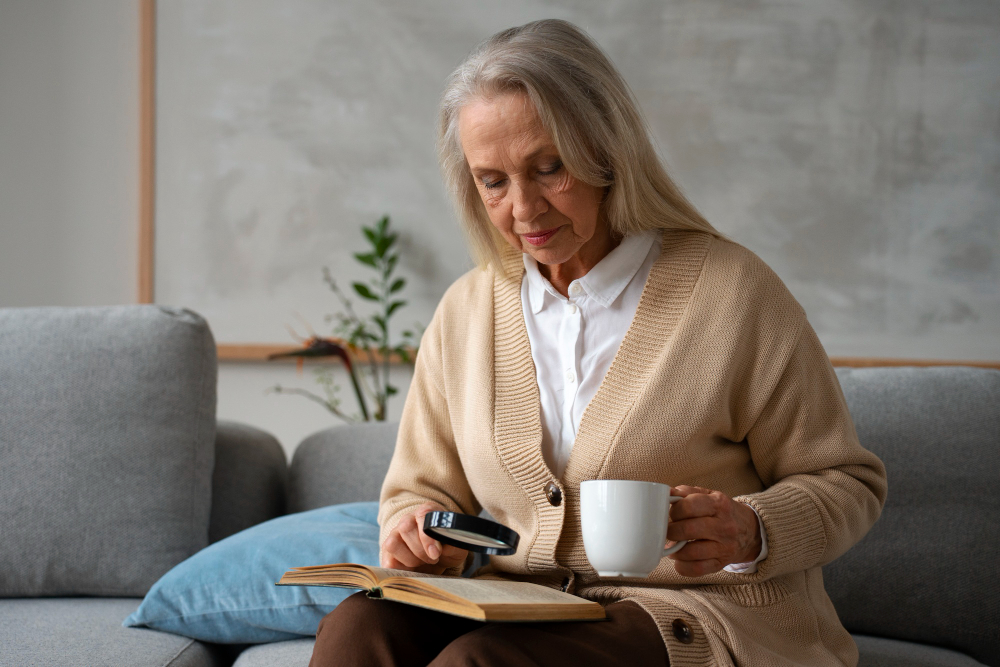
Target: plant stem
314	397
358	393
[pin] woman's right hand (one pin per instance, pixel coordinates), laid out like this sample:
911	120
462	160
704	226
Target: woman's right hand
409	548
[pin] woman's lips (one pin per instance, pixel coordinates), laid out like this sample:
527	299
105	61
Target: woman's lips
540	238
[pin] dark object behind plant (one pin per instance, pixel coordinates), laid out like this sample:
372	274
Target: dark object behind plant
370	335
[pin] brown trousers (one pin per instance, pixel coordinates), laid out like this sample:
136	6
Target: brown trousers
369	633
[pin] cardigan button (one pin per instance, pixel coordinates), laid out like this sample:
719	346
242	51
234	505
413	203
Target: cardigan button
553	493
682	631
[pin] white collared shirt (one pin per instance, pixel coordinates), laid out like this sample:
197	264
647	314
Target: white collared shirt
574	339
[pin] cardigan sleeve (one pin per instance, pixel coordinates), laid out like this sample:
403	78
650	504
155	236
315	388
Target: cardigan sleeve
823	490
425	466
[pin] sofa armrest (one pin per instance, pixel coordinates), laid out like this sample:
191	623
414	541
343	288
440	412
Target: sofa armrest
249	480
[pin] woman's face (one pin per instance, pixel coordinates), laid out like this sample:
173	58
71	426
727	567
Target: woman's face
530	197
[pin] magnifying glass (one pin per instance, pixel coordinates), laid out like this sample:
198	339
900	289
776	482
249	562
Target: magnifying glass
473	533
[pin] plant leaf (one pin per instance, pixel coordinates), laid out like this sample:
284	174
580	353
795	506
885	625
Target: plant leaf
383	244
399	284
391	391
393	307
380	322
364	292
382	224
365	258
370	234
391	264
363	340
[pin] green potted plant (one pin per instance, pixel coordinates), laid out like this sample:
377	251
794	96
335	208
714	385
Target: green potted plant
362	343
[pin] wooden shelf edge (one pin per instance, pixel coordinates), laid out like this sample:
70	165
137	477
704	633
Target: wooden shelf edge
872	362
256	352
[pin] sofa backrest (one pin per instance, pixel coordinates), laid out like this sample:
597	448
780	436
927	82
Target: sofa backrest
340	465
107	430
927	571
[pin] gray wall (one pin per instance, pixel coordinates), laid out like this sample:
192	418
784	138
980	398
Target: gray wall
927	155
68	152
854	145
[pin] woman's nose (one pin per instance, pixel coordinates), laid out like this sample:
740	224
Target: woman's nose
528	201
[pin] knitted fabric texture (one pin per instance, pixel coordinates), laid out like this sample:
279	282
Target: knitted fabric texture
719	382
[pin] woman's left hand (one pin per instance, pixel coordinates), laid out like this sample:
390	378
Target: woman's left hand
720	531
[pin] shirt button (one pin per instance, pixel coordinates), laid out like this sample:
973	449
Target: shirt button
573	308
682	631
553	493
570	377
575	288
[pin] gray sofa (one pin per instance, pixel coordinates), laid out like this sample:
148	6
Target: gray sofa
113	469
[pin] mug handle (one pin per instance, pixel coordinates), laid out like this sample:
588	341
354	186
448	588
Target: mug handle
680	545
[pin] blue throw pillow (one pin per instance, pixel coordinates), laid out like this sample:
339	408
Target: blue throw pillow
225	593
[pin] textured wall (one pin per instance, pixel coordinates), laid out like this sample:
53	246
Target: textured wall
69	156
853	144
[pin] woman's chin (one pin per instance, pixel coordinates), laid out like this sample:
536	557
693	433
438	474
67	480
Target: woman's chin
548	256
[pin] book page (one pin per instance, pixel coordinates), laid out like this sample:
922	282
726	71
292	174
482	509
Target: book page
490	591
378	573
348	575
384	573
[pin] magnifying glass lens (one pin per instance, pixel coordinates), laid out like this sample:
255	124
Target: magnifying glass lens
473	533
471	538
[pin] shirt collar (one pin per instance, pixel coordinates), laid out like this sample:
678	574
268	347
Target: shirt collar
603	283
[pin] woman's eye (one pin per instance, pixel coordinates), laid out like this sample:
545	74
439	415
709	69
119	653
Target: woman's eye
489	185
548	171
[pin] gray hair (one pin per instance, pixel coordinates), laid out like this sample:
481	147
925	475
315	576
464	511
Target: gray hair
595	123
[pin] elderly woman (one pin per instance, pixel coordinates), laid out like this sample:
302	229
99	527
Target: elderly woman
610	333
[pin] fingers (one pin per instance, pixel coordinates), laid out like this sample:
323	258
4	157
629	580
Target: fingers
703	550
389	561
699	558
719	530
410	537
408	548
700	528
445	554
697	502
405	547
452	556
684	490
422	545
398	552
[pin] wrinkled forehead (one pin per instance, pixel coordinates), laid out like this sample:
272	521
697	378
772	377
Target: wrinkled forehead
505	127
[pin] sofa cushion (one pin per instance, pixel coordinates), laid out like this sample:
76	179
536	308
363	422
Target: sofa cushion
226	593
88	631
107	427
248	484
358	455
294	653
879	652
926	572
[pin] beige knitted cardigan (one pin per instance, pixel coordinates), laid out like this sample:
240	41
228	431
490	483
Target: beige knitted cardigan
720	382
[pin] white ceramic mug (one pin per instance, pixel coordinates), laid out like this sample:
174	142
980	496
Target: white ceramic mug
625	525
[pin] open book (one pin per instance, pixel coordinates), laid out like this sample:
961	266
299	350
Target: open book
479	599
